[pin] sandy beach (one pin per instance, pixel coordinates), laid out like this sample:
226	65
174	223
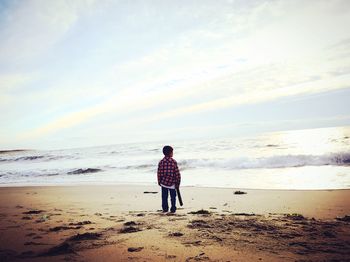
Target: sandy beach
121	223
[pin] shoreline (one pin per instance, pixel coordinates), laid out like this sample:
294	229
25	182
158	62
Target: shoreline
93	223
153	185
323	204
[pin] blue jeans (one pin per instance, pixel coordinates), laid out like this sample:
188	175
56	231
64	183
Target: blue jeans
165	193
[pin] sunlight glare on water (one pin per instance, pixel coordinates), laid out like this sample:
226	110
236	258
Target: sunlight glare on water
313	141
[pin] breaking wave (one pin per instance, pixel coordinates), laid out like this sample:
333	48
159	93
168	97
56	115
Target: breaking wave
32	158
281	161
84	171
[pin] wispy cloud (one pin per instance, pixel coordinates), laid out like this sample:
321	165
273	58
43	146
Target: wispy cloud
30	28
72	64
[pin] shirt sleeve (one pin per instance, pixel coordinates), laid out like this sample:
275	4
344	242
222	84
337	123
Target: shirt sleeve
159	173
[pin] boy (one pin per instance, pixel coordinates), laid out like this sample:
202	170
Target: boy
169	178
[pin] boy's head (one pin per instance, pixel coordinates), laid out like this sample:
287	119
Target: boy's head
168	151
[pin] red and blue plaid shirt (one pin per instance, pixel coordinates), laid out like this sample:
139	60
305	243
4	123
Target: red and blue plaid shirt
168	172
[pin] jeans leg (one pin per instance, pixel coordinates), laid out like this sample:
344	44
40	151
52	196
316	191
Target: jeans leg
165	205
173	200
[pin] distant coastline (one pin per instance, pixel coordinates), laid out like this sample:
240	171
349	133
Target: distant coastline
13	150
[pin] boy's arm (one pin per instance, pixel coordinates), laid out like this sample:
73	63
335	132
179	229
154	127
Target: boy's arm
158	174
177	175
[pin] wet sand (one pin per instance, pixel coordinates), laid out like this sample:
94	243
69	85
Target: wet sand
122	223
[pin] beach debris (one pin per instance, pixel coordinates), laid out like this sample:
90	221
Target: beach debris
198	224
85	236
33	212
200	212
194	243
256	226
31	243
130	223
98	214
63	248
295	216
176	234
212	208
300	243
59	228
244	214
135	249
239	193
84	171
150	192
199	257
69	245
87	222
345	218
129	229
26	218
140	215
19	206
42	219
218	239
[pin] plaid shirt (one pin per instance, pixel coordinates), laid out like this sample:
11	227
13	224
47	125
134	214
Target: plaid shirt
168	172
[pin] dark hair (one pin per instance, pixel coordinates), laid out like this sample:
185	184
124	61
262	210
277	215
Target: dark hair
167	150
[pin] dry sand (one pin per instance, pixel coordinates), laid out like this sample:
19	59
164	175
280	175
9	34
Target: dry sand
121	223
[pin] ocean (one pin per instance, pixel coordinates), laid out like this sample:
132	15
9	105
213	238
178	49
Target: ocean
299	159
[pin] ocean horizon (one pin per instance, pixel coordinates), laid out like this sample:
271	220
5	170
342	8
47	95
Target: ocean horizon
299	159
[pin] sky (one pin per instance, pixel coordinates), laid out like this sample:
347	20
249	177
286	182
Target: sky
84	73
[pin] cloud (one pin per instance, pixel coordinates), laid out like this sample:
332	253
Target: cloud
30	28
71	64
244	99
8	82
252	85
